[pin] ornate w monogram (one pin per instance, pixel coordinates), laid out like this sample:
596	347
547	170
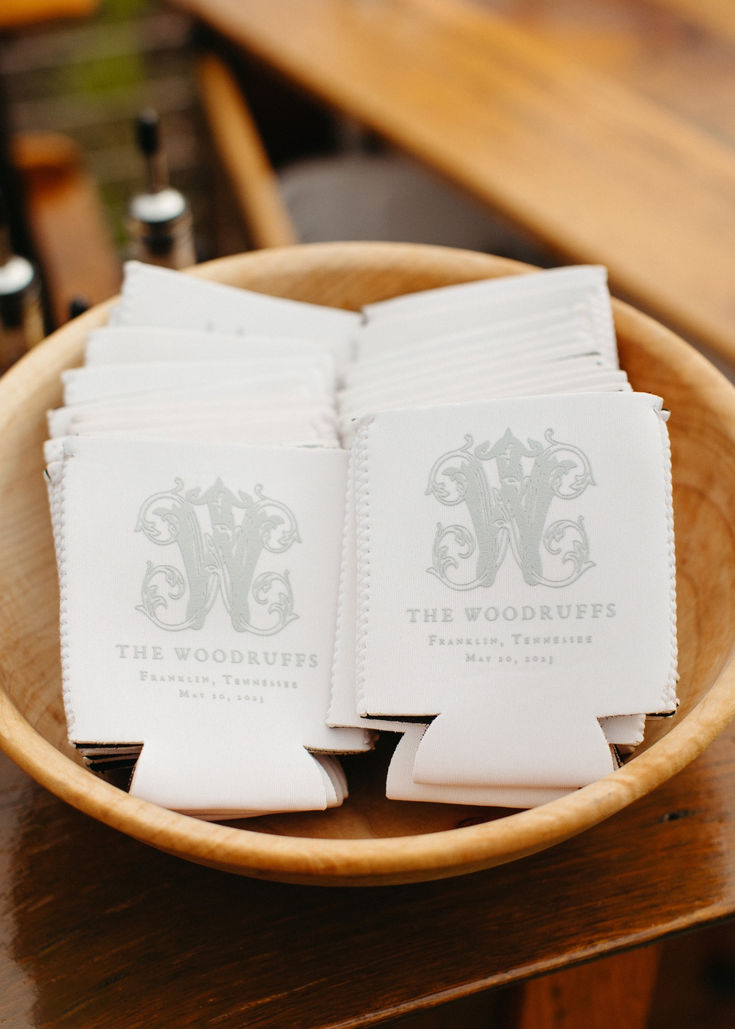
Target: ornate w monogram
508	489
220	538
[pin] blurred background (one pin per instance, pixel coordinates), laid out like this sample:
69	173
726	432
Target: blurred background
268	147
75	75
88	77
286	166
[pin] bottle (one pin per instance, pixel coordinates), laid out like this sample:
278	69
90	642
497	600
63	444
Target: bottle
21	313
159	220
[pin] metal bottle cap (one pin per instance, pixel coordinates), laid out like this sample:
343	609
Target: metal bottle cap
159	220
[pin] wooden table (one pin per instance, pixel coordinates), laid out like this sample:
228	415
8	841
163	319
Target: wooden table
53	198
99	931
586	162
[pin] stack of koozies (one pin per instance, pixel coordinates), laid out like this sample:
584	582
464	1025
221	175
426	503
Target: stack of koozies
197	488
281	527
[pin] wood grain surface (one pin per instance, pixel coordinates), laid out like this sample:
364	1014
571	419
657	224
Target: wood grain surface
99	931
371	840
616	991
591	167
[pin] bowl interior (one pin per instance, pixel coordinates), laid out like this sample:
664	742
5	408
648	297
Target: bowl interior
703	455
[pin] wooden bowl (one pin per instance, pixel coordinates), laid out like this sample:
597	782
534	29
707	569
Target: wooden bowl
371	840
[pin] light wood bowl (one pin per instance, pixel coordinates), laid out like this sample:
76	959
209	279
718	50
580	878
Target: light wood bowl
371	840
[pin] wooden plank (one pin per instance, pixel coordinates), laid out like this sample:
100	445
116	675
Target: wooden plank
236	138
717	16
593	170
670	51
67	222
267	955
19	14
615	991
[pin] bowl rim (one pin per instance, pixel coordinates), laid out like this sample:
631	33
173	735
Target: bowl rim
394	859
